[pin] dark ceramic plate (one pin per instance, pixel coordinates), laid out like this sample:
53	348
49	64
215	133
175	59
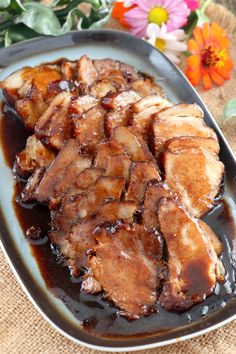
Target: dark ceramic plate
156	330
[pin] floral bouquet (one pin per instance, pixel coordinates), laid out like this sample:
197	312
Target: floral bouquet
180	26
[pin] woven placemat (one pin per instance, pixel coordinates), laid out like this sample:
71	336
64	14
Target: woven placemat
24	331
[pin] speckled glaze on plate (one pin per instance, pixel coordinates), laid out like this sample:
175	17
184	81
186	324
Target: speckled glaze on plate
131	50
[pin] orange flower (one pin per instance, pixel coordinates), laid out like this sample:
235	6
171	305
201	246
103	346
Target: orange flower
210	60
118	12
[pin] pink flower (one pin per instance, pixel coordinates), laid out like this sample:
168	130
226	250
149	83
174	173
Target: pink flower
173	13
192	4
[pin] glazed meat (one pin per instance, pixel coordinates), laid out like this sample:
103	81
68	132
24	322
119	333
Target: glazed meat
114	118
132	143
81	104
104	188
34	155
55	171
28	193
145	86
87	72
26	89
118	165
81	237
68	70
120	100
176	121
120	255
155	190
192	260
89	128
55	126
75	168
140	174
101	76
125	173
105	150
82	205
83	181
142	111
119	109
193	171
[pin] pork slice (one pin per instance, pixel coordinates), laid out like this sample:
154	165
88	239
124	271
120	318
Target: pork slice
217	245
179	120
120	100
191	258
104	188
132	142
82	205
144	86
81	104
155	190
28	193
19	84
106	149
33	94
129	72
102	87
87	72
34	156
69	176
68	69
81	237
114	118
84	181
142	112
140	174
55	126
118	165
31	108
55	171
107	68
187	143
89	128
119	255
15	81
193	171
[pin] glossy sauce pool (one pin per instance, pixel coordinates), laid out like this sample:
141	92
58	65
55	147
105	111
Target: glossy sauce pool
96	314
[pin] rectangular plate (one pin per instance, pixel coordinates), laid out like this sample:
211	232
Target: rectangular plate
131	50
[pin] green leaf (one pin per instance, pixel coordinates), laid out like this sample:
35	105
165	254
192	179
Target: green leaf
71	19
102	22
4	4
18	33
59	3
40	19
229	111
7	40
202	18
191	24
4	15
13	6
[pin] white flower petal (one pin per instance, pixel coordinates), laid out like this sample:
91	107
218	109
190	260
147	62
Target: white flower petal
179	34
176	46
153	29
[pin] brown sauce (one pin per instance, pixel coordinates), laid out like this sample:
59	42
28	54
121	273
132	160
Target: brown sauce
98	315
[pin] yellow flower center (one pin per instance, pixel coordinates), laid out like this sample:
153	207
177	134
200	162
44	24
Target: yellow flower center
158	15
160	44
214	57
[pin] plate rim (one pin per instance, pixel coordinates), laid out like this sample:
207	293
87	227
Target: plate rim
19	47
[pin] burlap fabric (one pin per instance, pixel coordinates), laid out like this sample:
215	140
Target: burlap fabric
24	331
